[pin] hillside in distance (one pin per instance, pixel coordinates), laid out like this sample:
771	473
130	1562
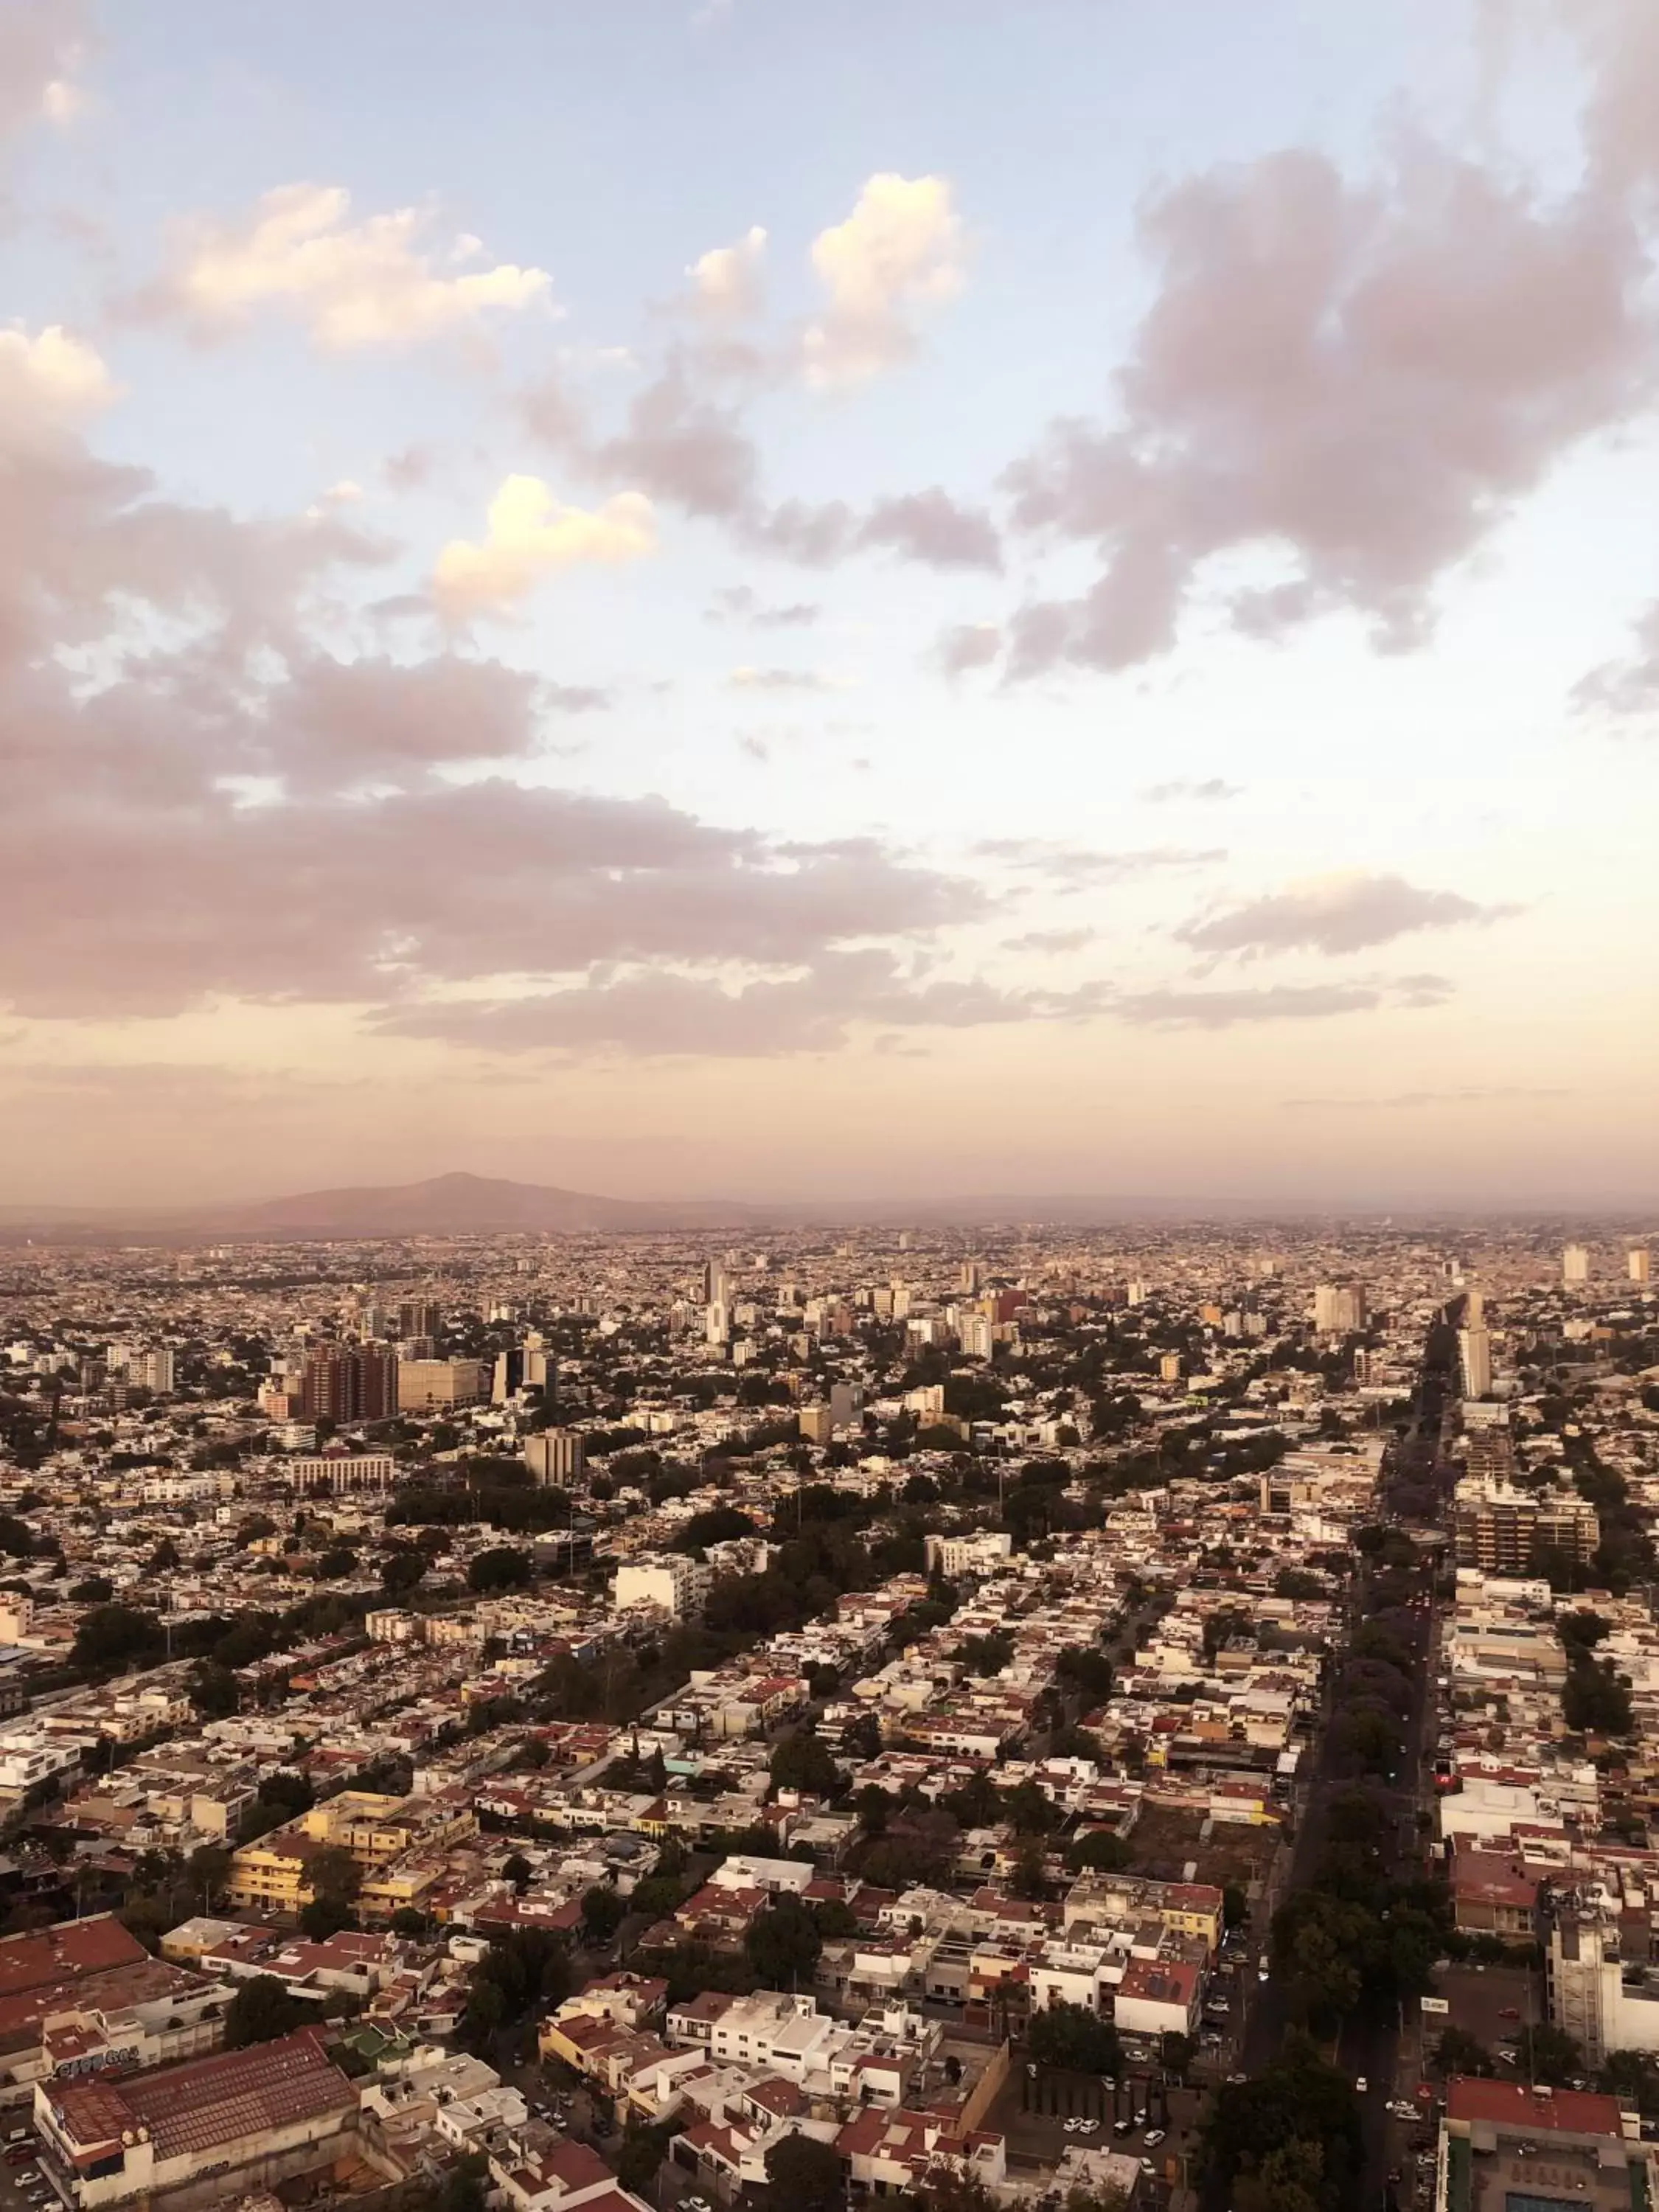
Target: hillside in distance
469	1205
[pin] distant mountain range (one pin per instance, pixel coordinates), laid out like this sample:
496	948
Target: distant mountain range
470	1205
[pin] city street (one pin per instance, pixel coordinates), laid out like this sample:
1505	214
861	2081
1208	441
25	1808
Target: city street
1370	2046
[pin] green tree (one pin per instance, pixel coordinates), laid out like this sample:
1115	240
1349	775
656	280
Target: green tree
805	2175
324	1917
501	1570
1549	2055
209	1871
214	1690
783	1944
333	1872
641	2152
986	1655
802	1761
260	2011
603	1913
464	2185
1299	2098
1072	2036
1459	2053
1288	2179
402	1571
1099	1850
1595	1700
115	1636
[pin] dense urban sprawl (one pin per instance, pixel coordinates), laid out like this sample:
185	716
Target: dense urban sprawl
1154	1716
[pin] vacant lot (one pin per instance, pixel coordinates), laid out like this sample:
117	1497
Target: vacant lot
1164	1844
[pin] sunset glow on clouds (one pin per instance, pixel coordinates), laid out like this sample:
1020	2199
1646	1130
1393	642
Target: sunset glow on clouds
850	606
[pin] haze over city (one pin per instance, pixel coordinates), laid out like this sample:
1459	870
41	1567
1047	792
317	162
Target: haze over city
724	599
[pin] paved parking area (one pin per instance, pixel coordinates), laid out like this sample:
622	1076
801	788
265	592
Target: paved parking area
24	2189
1491	2003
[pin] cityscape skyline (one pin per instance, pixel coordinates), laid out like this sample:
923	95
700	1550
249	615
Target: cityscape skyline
907	602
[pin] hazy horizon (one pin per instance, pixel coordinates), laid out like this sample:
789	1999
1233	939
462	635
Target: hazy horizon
807	606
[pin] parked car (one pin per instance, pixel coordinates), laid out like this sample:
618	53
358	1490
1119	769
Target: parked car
1154	2137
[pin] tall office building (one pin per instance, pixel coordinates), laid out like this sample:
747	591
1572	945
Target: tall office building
556	1457
1639	1262
426	1386
969	1276
418	1317
506	1376
348	1383
1499	1528
1339	1308
716	1287
153	1371
1475	1351
1575	1265
845	1405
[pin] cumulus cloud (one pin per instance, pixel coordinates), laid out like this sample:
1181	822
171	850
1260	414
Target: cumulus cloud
1050	940
1358	381
684	449
740	603
378	282
274	824
749	678
1282	1002
1333	915
725	281
1180	789
932	527
529	535
1082	867
674	1015
336	724
42	46
968	645
901	248
1629	686
49	384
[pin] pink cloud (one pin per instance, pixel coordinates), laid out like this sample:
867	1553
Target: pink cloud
1360	380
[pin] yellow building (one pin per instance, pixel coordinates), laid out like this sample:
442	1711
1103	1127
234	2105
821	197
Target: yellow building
272	1875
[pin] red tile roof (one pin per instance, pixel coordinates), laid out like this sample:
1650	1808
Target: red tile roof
1511	2105
212	2103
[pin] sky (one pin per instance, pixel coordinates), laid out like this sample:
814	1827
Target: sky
763	599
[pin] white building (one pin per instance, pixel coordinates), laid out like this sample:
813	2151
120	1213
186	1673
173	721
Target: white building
1575	1265
1603	2004
981	1551
668	1579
